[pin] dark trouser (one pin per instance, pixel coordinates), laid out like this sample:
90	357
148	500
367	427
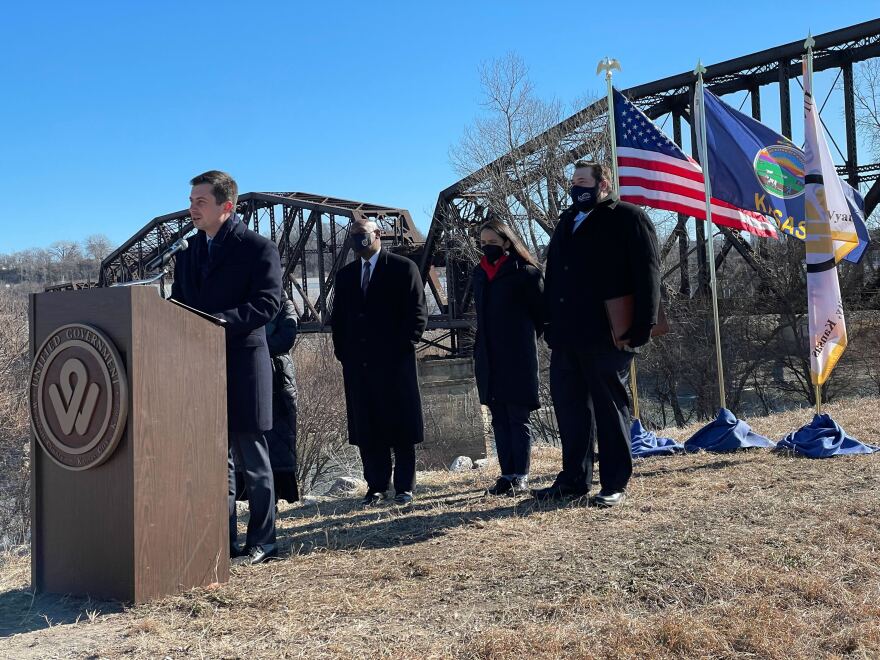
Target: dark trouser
378	467
589	391
281	441
249	451
513	438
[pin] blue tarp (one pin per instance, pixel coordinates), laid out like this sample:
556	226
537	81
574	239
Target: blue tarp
726	433
646	443
821	438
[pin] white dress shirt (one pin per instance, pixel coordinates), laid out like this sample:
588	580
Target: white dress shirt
372	261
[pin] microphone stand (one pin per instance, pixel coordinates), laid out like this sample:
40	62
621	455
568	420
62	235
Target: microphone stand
160	277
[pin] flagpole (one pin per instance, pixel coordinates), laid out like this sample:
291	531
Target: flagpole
608	65
710	249
808	84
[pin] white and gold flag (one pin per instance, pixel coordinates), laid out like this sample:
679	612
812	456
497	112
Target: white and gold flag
831	235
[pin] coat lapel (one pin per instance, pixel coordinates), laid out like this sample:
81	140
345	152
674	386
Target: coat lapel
562	235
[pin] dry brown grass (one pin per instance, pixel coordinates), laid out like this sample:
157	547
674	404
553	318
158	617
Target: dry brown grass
746	555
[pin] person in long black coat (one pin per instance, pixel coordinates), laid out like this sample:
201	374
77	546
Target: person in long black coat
602	248
378	317
234	273
507	287
281	335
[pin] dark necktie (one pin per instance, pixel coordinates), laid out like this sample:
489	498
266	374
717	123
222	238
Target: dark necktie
210	248
365	282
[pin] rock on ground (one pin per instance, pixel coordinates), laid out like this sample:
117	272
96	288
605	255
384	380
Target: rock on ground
461	464
344	486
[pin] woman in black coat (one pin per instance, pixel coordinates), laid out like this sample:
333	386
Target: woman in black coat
280	336
508	287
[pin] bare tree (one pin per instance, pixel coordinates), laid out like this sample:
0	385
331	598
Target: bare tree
525	188
97	246
68	256
65	251
36	265
867	102
322	445
14	441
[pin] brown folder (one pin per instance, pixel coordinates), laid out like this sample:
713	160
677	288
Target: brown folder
620	317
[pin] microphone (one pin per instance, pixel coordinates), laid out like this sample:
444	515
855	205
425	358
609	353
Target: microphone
162	260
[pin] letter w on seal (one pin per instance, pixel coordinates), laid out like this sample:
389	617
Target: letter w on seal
72	410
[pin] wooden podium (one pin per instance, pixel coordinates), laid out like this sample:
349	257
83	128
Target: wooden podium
128	445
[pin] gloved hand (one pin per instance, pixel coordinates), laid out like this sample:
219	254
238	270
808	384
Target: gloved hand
638	335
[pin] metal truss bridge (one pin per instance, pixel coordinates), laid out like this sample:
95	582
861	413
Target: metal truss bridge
310	230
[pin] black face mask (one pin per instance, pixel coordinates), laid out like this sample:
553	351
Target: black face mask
493	252
360	242
584	199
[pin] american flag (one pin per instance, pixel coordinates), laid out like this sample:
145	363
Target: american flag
655	172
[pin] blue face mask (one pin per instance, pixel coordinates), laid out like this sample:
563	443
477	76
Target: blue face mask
584	199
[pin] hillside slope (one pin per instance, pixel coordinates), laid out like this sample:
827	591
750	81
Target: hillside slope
741	555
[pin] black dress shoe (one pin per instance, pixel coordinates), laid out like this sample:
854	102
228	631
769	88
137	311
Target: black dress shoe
260	553
608	498
560	491
520	486
503	486
236	551
372	499
403	499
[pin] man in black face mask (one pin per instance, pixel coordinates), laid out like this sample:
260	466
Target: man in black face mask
378	318
601	249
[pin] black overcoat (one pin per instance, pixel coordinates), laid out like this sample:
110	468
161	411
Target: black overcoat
240	283
509	318
612	253
374	337
281	335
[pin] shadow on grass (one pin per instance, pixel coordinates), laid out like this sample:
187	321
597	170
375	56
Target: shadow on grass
714	465
21	611
388	526
346	504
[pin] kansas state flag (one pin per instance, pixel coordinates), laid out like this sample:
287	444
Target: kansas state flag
753	167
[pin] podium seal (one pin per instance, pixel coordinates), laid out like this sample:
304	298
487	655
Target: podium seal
78	396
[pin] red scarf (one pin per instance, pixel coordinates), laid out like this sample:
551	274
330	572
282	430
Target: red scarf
492	269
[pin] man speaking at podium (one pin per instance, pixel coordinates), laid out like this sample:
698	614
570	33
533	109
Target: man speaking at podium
233	273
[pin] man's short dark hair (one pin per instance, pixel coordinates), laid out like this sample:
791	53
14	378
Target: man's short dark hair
600	171
223	186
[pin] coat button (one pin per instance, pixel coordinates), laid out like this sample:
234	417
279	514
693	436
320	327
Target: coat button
562	300
565	268
365	364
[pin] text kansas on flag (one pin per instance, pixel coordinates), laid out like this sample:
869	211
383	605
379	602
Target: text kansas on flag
655	172
753	167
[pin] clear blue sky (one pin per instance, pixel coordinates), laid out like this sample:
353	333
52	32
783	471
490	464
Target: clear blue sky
108	108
